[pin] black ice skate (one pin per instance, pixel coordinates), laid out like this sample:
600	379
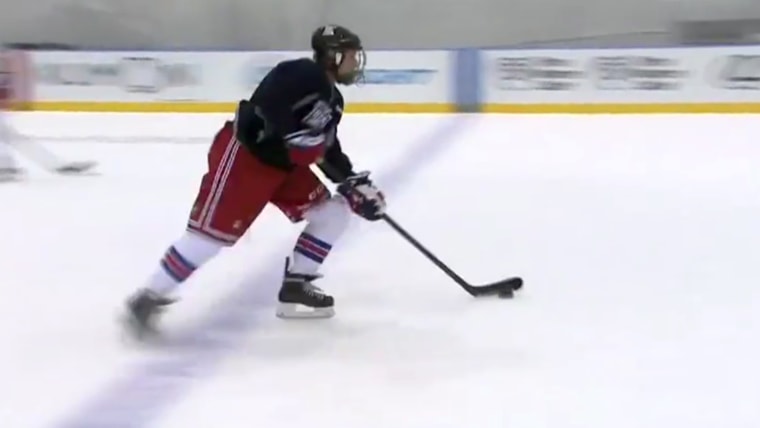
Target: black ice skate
142	311
299	298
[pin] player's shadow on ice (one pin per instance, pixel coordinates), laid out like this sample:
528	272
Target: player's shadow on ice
372	329
402	350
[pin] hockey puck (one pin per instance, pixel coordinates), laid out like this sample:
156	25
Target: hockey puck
506	293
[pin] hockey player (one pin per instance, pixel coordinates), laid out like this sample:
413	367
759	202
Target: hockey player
9	170
263	156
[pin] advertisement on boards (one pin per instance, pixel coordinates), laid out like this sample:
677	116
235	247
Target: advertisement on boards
393	80
112	76
690	79
402	77
424	78
536	73
736	72
636	72
390	77
578	76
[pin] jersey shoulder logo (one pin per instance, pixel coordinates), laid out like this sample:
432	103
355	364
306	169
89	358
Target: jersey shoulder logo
319	116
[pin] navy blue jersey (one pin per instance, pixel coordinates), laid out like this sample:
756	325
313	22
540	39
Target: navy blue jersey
295	100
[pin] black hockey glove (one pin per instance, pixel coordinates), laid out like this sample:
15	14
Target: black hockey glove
363	197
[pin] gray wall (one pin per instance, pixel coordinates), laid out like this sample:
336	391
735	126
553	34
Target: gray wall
286	24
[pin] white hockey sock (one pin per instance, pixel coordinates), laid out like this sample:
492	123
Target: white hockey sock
181	260
327	221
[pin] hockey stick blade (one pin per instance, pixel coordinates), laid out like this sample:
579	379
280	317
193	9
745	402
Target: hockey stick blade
503	289
37	152
76	167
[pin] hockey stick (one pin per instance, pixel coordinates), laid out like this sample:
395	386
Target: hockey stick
504	289
36	152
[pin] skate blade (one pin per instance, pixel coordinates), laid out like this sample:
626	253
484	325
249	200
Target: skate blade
298	311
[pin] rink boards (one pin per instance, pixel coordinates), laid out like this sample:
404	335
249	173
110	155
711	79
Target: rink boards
652	80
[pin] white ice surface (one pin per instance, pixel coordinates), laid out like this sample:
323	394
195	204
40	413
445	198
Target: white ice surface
637	237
